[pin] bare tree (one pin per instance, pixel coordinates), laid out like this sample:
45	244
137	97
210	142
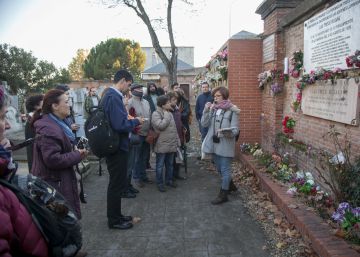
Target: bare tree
138	8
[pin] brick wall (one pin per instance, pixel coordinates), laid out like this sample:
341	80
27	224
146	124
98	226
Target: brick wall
309	130
244	64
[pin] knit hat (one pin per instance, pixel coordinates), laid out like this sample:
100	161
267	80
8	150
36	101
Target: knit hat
62	87
136	86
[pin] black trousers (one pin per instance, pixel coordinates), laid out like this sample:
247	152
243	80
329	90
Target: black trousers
118	182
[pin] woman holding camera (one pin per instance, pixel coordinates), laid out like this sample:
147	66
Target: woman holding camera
54	157
222	119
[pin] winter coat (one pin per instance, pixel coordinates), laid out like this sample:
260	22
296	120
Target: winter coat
179	126
19	236
142	109
88	105
200	104
163	122
151	102
230	118
54	160
117	115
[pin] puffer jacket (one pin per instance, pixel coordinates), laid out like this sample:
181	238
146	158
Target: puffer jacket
163	122
230	119
54	160
142	109
19	236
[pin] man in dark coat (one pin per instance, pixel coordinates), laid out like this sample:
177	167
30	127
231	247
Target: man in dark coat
117	163
152	95
202	99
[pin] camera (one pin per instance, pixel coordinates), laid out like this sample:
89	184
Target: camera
216	139
83	143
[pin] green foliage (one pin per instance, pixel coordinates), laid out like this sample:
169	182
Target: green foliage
76	66
24	72
107	57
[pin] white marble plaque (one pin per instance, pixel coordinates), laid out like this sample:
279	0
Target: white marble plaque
338	102
269	49
332	35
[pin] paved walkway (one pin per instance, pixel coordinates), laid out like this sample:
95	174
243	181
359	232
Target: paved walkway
180	222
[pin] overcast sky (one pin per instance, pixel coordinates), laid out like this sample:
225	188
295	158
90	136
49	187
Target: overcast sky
54	29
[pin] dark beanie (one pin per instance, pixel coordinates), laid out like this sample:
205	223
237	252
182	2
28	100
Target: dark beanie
62	87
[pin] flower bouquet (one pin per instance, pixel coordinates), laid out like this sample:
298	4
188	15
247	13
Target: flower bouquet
353	60
288	125
349	220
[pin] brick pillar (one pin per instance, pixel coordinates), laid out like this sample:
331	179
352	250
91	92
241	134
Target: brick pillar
244	64
272	11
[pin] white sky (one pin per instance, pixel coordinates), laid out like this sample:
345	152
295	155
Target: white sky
54	29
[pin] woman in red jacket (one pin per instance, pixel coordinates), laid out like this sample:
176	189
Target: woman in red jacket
19	236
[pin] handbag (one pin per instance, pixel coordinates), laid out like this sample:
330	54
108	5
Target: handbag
152	136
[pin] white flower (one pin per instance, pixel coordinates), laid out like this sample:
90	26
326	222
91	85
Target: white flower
310	182
309	176
338	159
292	191
258	153
299	174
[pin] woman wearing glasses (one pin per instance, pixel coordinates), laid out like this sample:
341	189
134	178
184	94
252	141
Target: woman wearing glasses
222	119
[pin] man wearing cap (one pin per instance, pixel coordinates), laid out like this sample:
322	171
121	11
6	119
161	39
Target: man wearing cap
139	107
114	108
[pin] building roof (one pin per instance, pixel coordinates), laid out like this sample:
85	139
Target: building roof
244	35
160	67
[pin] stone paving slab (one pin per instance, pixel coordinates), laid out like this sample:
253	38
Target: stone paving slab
178	223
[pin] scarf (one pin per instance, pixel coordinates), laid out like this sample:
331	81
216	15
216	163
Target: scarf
68	132
223	105
6	162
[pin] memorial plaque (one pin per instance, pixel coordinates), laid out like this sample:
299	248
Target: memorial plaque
332	35
338	102
269	49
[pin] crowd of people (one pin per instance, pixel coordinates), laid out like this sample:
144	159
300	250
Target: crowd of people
54	155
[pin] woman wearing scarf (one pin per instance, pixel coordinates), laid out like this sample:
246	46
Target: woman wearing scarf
19	235
222	119
54	157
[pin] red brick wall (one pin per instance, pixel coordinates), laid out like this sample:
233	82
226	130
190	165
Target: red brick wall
271	22
244	64
310	130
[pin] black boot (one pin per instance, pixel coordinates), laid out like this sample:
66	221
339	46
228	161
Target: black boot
232	187
221	198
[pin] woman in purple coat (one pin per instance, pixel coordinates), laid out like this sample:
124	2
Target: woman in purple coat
54	157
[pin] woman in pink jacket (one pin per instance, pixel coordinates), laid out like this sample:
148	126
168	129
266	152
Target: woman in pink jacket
19	236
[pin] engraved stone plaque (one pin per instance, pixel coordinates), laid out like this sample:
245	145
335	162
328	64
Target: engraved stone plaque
338	102
332	35
269	49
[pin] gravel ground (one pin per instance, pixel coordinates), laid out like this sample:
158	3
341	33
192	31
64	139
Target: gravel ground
283	240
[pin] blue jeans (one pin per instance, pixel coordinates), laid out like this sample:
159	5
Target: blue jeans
223	166
168	160
141	151
203	131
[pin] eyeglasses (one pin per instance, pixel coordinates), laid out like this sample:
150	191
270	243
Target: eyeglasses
217	95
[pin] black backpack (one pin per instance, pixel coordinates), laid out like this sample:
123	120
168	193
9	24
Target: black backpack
103	140
50	212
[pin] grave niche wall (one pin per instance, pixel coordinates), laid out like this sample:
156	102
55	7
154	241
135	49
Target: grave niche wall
310	129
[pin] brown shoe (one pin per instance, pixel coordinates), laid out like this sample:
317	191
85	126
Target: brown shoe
81	254
221	198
